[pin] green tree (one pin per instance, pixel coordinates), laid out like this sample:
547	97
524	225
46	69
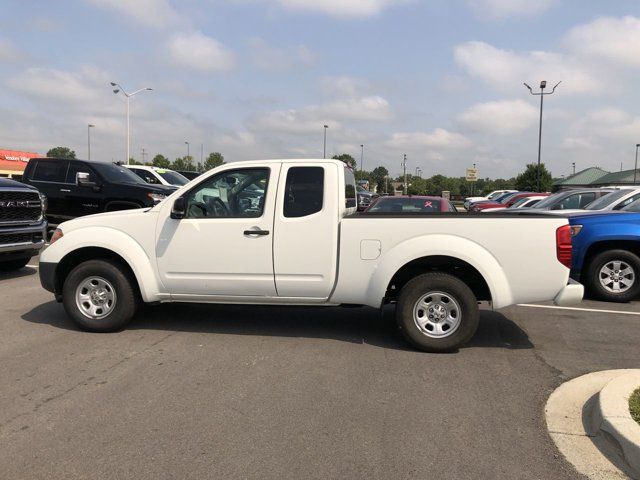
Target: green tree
527	180
215	159
161	161
378	175
184	163
346	158
133	161
61	152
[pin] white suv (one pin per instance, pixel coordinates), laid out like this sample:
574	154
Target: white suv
158	176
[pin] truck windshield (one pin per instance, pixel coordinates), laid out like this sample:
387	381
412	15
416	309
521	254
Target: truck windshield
117	174
173	178
607	200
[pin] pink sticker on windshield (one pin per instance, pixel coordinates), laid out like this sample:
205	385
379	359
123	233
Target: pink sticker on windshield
428	204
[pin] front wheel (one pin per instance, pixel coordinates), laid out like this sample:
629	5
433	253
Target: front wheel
99	296
612	276
437	312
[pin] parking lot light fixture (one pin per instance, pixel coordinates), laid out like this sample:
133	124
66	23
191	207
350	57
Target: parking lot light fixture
187	144
324	149
635	170
128	96
541	94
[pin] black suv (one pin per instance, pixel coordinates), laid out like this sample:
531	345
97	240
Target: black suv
77	187
22	224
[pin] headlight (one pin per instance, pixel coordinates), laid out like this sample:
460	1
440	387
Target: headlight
575	230
43	202
57	235
156	197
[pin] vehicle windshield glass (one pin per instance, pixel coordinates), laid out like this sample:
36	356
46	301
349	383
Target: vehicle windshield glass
501	196
508	197
361	189
400	205
551	200
519	202
173	178
608	199
117	174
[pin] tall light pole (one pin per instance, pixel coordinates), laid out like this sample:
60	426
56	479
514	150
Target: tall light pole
187	144
635	170
361	157
128	96
541	93
404	169
89	127
324	148
573	164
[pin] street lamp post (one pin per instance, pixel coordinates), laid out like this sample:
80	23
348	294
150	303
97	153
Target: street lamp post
128	96
89	127
635	170
573	164
187	144
324	148
361	157
541	93
404	168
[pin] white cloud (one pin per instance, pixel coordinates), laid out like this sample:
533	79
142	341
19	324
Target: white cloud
507	70
59	85
339	8
438	138
504	117
199	52
270	58
151	13
501	9
344	86
612	39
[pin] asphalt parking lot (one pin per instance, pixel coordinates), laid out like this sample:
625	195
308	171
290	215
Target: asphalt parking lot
200	391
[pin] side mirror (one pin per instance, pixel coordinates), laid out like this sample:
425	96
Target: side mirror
179	208
83	179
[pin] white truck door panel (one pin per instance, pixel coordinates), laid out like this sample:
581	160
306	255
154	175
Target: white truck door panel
212	253
306	230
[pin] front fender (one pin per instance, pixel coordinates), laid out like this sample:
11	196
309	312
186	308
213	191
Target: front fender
440	245
115	241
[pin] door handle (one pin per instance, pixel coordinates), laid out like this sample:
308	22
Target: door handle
65	190
256	232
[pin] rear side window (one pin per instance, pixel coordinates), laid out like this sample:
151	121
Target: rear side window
51	171
304	191
145	175
349	188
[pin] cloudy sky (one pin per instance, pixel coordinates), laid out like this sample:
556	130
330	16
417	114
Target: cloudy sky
438	80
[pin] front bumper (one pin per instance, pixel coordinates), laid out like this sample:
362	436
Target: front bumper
570	294
16	240
47	273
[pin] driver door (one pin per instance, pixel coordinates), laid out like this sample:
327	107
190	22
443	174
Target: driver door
223	246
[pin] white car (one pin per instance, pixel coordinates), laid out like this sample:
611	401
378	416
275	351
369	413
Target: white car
496	193
158	176
616	200
522	203
286	232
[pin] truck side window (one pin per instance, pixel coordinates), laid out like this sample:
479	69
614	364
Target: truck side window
237	193
303	192
51	171
349	188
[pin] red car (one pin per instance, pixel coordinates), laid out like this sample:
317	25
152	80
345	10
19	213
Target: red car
507	202
410	204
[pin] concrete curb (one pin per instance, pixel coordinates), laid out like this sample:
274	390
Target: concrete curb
612	415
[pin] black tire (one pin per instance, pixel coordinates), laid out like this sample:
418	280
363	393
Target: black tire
453	288
126	296
592	276
15	264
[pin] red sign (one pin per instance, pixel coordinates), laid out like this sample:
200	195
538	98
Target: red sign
15	160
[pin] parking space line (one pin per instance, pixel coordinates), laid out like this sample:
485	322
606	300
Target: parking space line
32	266
596	310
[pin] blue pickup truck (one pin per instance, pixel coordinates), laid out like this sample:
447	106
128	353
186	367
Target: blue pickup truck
606	254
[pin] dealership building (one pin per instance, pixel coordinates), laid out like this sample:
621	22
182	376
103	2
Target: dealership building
13	162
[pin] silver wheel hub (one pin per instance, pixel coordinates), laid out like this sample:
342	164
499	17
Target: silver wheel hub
617	276
437	314
95	297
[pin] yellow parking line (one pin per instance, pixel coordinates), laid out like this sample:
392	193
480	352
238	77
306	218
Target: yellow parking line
578	309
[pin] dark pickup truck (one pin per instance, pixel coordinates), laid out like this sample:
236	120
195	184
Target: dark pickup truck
22	224
75	188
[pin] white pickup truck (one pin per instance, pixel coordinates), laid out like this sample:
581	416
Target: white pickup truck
286	232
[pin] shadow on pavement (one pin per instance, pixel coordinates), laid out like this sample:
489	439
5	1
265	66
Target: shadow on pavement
23	272
353	325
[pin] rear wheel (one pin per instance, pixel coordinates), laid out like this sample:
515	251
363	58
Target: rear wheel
99	296
612	276
437	312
